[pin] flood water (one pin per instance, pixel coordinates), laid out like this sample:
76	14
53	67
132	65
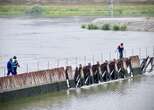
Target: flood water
132	94
47	42
43	43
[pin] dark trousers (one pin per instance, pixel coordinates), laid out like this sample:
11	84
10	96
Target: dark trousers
14	70
120	55
9	71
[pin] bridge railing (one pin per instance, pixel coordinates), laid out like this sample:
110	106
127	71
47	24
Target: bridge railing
49	63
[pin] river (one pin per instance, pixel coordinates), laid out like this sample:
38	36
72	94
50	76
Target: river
48	42
133	94
42	43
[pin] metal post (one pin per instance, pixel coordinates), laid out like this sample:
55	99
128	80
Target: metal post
117	53
58	62
76	60
85	62
27	68
93	59
4	71
66	61
102	57
140	52
153	51
48	64
110	55
37	66
132	52
146	52
125	53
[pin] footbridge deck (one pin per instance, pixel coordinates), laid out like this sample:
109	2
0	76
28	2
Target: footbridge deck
44	81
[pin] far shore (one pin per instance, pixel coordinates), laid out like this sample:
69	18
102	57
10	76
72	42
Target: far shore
132	23
104	10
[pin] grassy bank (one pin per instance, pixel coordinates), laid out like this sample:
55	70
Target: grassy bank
77	10
105	26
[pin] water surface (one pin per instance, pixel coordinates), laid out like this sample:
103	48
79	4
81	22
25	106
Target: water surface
44	43
132	94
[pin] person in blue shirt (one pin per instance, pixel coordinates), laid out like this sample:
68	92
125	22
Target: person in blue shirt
15	64
9	67
120	50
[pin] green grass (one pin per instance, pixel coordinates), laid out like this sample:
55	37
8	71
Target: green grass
80	10
105	26
92	27
83	26
116	27
123	27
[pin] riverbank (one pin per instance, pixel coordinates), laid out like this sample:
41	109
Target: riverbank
77	10
123	24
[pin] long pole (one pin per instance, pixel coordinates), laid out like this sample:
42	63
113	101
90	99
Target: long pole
153	51
140	52
125	53
85	60
146	50
27	68
4	71
93	59
110	55
102	57
37	66
48	64
66	61
57	62
76	60
132	51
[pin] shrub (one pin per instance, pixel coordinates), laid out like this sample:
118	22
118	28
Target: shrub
35	10
116	27
106	27
92	26
83	26
123	27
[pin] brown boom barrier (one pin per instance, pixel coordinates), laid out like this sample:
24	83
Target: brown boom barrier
31	79
35	83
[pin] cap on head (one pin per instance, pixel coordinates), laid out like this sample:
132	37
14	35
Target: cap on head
14	57
10	59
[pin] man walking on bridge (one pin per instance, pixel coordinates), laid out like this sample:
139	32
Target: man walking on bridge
9	67
15	64
120	50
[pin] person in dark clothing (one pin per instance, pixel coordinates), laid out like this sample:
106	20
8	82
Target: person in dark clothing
120	50
14	65
9	67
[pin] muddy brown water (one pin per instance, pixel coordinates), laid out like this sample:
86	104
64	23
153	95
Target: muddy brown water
133	94
48	39
43	43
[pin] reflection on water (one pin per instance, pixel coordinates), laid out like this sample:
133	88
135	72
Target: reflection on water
132	94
